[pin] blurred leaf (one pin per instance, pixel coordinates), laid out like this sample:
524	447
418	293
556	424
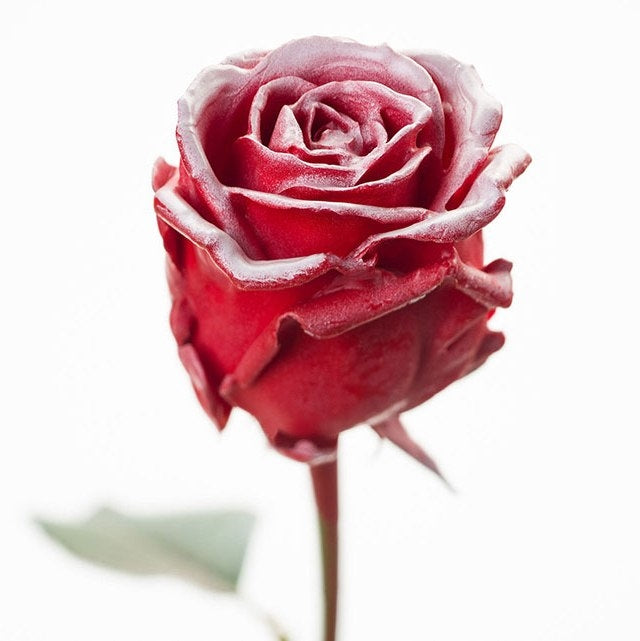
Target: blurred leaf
205	548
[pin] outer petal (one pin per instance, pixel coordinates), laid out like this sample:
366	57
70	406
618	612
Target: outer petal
372	346
456	342
260	168
205	388
481	205
472	118
219	83
184	322
398	188
213	321
322	60
290	226
246	59
362	372
341	306
230	257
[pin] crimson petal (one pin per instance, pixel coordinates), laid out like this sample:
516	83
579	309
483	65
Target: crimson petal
223	249
472	118
482	204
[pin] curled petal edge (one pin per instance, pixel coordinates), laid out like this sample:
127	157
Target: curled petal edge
482	204
216	407
246	59
244	272
356	302
401	215
474	117
181	320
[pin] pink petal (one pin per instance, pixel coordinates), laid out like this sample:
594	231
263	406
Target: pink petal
229	255
397	189
472	119
269	100
346	304
245	59
482	204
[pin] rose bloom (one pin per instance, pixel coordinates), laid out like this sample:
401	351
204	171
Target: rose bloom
323	231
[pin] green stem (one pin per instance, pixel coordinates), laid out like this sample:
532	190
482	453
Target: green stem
325	486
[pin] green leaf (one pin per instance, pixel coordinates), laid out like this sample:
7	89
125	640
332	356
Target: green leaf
205	548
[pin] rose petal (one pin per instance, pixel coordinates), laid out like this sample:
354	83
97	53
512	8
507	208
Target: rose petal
191	107
455	344
491	286
268	102
323	60
262	169
444	348
245	59
205	377
346	304
291	139
229	256
216	344
482	204
161	174
341	134
370	367
398	189
472	118
215	406
399	215
351	301
290	227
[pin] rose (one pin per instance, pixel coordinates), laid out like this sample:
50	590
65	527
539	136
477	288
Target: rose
324	236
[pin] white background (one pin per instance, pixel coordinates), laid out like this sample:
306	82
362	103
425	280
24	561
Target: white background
541	541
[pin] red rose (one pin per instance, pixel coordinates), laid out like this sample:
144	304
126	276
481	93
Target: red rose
324	236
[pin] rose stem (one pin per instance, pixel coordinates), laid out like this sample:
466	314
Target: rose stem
325	486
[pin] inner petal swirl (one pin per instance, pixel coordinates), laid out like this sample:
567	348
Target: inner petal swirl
339	135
